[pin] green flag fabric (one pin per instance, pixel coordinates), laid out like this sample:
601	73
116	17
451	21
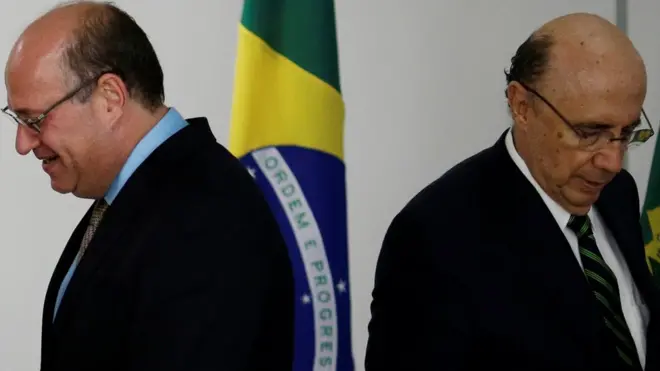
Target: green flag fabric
651	215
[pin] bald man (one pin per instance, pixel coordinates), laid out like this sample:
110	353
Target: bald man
528	255
179	263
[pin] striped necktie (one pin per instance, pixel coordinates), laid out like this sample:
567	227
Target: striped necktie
97	214
604	286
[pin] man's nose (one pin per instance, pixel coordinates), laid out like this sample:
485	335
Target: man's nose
26	140
610	158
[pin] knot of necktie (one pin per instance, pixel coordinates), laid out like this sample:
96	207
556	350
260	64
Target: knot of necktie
98	211
580	224
94	221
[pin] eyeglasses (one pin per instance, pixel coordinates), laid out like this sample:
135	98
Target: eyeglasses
35	123
594	139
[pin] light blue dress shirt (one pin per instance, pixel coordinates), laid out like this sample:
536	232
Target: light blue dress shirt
171	123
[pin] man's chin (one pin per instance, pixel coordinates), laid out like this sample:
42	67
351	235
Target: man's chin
579	202
60	188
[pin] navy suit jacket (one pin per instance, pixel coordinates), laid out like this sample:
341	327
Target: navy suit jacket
187	271
475	274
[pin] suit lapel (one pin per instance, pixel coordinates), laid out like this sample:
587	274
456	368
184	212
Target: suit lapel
627	234
61	269
547	257
107	240
629	240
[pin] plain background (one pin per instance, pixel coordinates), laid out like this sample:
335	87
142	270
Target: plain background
423	85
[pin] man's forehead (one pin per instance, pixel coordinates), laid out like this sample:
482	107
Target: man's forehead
28	78
596	112
33	94
36	57
34	73
596	96
582	78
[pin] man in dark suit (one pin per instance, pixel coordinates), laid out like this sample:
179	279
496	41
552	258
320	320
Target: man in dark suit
529	255
179	264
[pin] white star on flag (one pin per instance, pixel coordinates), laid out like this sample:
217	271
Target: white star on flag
306	299
341	286
252	171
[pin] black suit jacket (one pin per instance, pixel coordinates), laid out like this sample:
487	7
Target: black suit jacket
187	271
475	274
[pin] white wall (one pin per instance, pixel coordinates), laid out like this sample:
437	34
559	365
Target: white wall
423	84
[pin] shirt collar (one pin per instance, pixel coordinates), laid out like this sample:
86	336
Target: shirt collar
170	124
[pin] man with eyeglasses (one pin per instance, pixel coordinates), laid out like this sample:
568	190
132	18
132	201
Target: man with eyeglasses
179	263
529	254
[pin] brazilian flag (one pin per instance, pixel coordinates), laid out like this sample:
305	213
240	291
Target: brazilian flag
651	215
287	129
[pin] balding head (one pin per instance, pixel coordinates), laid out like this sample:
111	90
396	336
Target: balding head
87	84
38	52
575	90
78	41
591	55
576	52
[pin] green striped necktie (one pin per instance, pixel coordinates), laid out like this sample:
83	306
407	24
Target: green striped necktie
604	286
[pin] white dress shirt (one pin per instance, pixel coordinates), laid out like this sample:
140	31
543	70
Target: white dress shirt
634	310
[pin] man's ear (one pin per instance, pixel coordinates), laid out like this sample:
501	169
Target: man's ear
112	97
517	97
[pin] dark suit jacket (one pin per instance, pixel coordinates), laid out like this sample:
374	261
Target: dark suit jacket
475	274
187	271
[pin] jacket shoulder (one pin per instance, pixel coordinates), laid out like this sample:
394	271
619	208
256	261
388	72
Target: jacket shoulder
466	183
